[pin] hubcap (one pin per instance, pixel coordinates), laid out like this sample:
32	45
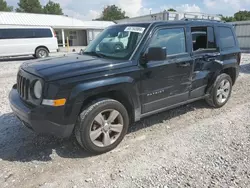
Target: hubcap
223	91
42	53
106	128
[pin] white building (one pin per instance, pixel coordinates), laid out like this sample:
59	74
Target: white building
79	32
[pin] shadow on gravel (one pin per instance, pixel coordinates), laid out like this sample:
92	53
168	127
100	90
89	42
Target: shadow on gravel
245	68
26	58
17	143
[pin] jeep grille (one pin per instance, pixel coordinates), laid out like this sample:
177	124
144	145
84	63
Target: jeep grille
23	86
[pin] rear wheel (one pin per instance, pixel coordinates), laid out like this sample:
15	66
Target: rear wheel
41	53
102	126
220	91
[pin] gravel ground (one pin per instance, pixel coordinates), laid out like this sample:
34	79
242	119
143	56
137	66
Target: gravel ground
190	146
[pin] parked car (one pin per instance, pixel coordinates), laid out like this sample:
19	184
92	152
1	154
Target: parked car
98	94
22	40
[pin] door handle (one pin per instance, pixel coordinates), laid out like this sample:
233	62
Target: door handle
185	64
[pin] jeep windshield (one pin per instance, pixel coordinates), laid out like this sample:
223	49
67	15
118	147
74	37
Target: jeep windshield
117	42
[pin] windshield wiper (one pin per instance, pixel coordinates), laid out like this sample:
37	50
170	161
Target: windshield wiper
95	54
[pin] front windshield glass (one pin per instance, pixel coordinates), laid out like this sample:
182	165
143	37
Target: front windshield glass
117	42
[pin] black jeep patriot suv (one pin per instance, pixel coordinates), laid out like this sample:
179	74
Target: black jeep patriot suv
155	66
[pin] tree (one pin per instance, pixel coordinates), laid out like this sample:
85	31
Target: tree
29	6
111	13
171	10
227	18
242	15
238	16
5	7
52	8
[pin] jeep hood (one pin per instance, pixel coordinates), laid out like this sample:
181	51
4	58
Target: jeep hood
56	68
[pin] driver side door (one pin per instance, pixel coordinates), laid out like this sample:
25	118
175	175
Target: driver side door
167	82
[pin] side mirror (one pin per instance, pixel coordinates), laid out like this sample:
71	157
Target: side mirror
156	54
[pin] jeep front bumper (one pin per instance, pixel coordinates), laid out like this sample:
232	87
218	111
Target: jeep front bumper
37	118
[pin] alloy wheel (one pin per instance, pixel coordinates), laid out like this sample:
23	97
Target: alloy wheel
42	53
106	128
223	91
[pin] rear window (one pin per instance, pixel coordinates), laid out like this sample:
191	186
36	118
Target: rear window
226	37
25	33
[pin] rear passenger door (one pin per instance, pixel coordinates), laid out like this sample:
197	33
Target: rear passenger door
167	82
206	56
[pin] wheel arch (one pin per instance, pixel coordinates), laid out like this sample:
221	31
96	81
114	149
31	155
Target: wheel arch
122	89
41	47
118	95
231	71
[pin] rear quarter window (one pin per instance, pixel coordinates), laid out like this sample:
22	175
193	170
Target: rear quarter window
227	39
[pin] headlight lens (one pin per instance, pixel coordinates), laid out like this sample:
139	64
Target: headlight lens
38	89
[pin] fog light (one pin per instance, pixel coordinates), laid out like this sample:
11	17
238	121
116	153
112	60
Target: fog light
58	102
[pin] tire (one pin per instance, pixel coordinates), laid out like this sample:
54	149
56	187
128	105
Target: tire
219	95
86	126
41	53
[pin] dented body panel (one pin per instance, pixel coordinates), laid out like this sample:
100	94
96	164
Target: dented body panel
149	87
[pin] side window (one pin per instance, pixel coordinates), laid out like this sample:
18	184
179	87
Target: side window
203	38
42	33
16	33
172	39
226	37
24	33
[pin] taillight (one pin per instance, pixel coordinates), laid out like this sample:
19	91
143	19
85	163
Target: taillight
54	32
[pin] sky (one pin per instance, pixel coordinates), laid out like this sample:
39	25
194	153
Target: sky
91	9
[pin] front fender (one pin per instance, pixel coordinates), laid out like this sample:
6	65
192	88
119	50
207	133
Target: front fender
83	91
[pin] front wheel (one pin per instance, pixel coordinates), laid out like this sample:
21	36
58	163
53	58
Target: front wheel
220	91
102	126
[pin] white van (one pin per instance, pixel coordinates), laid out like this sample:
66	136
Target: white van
23	40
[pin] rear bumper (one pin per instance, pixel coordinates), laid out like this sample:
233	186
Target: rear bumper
36	118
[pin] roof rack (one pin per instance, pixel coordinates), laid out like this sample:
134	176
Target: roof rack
200	19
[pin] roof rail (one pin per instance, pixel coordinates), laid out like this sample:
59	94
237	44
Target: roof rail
200	19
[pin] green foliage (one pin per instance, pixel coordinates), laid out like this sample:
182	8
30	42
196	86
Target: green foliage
238	16
29	6
52	8
242	15
228	18
171	10
5	7
111	13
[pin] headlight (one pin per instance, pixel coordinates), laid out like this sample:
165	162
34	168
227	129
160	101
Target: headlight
38	89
